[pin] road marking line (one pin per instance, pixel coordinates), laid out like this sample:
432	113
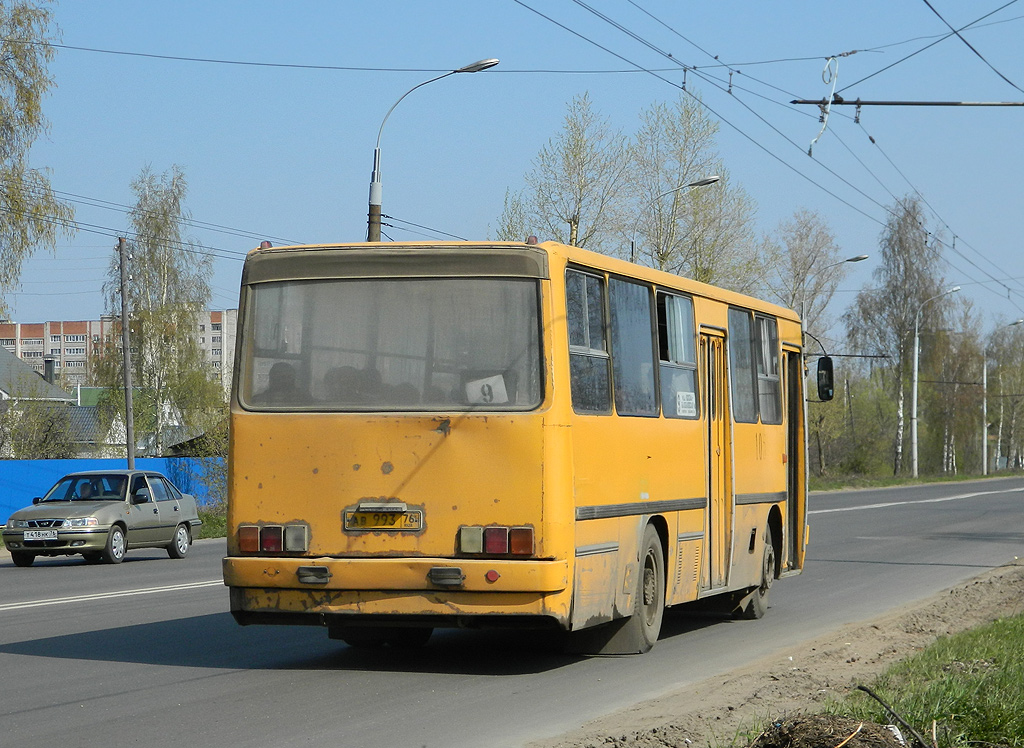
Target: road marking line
919	501
108	595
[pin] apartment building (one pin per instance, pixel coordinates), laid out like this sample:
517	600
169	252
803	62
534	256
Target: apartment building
71	344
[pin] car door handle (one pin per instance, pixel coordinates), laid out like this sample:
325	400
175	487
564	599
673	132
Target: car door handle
175	507
155	511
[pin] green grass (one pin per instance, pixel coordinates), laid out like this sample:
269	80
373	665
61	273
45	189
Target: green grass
970	684
215	522
837	482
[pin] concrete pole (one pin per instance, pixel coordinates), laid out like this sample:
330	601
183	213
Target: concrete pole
129	425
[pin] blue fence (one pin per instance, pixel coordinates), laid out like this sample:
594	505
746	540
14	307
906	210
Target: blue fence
21	480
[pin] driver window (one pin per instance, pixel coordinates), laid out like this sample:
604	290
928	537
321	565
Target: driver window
138	483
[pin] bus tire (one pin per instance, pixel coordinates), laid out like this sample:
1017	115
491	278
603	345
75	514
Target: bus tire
649	607
756	603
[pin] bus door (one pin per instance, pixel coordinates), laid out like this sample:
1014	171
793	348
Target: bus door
796	475
718	530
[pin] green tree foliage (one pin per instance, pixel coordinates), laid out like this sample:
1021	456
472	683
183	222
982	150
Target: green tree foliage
168	292
881	320
30	214
35	430
1006	396
705	233
573	190
513	225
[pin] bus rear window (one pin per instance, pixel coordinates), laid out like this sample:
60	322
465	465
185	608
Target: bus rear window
382	344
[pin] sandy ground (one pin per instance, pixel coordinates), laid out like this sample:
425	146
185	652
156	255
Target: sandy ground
799	680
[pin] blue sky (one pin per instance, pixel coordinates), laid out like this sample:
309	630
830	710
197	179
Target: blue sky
286	152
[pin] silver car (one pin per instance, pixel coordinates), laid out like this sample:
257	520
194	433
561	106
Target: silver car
102	514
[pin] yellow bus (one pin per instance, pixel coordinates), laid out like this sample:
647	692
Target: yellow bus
493	434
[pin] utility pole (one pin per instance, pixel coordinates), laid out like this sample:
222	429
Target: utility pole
129	424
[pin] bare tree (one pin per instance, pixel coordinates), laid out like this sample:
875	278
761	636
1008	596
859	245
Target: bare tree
809	268
705	233
577	179
30	214
881	320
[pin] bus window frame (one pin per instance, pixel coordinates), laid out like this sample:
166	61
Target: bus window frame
588	352
652	321
247	352
666	362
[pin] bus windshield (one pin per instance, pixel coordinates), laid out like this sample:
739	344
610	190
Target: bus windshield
392	344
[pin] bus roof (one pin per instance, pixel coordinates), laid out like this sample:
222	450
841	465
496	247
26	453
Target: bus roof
485	258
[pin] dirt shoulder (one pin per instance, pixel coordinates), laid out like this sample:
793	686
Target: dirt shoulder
800	679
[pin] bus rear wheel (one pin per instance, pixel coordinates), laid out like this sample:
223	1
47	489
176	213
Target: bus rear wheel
756	604
650	595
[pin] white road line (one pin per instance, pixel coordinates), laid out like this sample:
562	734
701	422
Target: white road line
108	595
919	501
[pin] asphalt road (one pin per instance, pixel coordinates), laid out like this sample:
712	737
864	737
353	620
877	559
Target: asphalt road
145	653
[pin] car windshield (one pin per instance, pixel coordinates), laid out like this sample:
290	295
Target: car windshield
88	488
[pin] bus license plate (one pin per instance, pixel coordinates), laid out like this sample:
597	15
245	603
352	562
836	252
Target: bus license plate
409	520
40	534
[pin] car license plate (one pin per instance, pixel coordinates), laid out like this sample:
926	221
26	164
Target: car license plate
409	520
40	534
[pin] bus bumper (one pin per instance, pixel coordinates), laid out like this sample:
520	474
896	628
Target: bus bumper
469	592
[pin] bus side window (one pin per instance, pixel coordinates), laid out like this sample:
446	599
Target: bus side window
632	348
588	343
678	358
741	365
769	390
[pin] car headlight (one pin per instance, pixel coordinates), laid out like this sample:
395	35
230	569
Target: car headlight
19	523
81	522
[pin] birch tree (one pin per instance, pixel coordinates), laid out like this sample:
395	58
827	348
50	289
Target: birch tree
31	217
167	293
881	320
574	188
705	233
808	268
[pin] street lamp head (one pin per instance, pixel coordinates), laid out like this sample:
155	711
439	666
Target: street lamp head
704	182
858	258
479	65
954	289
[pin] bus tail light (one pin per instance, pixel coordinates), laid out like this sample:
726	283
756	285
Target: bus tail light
496	541
520	541
273	538
249	539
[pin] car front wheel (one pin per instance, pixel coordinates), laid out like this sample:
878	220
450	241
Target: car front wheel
180	545
21	558
114	552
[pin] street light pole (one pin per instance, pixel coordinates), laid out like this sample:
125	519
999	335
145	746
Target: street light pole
913	384
376	191
803	282
636	224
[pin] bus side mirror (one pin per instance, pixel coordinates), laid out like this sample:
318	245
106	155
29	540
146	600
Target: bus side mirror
826	379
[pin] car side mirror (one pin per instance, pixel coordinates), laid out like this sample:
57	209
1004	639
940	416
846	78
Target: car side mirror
141	496
37	499
826	379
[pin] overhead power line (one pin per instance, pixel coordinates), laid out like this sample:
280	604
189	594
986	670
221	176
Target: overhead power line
971	47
